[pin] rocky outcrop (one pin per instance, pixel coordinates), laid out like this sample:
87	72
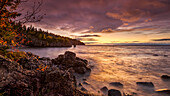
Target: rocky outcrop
23	79
70	62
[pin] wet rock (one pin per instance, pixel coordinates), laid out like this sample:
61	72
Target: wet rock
155	55
70	55
166	91
117	84
83	89
166	77
148	84
80	70
79	84
22	78
69	60
104	89
86	83
114	92
165	55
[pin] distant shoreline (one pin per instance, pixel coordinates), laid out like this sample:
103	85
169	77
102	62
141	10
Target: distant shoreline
127	45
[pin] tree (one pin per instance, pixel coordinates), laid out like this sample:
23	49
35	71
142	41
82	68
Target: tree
8	15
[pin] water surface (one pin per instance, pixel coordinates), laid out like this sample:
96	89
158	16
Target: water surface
124	64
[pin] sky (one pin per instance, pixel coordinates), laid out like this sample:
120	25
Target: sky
107	21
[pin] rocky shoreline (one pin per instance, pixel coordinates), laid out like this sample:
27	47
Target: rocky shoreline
35	76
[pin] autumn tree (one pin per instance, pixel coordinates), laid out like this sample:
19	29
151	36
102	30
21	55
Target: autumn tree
8	15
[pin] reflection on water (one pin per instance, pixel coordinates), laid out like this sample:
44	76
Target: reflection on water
124	64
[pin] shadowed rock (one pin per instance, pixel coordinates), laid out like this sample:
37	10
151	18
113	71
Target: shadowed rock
117	84
23	79
165	55
69	60
104	89
148	84
79	84
114	92
155	55
83	89
86	83
165	77
166	91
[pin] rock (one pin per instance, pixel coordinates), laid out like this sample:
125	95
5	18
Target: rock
148	84
69	60
167	77
155	55
80	70
70	55
32	55
166	91
104	89
86	83
80	84
83	89
165	55
114	92
23	79
117	84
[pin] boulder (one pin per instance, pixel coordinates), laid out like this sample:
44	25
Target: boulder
69	60
117	84
155	55
104	89
166	91
114	92
165	55
83	89
148	84
79	84
86	83
70	55
165	77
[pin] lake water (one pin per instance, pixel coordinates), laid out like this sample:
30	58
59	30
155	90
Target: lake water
124	64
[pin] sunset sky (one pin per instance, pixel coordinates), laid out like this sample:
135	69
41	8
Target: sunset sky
108	21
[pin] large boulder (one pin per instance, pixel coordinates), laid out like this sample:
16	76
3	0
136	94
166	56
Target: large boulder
165	77
70	61
114	92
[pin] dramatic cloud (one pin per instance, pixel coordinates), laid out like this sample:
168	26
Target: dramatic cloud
119	20
96	15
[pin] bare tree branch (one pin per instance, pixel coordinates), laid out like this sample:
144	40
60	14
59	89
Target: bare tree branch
33	15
